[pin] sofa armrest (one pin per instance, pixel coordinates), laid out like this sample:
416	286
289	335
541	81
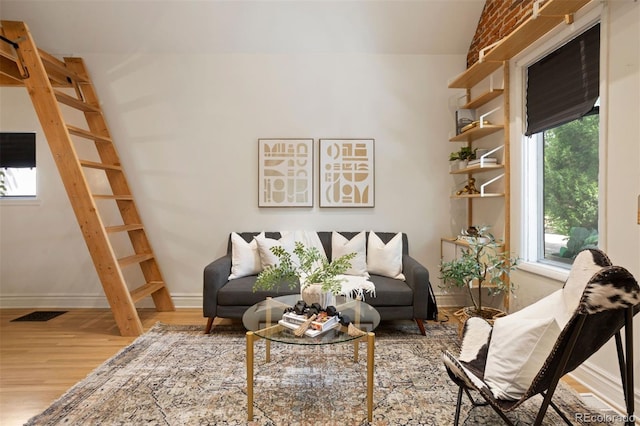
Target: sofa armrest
216	275
417	277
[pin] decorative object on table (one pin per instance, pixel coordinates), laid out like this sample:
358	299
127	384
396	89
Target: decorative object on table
310	320
354	331
304	326
285	173
347	173
469	188
479	265
310	268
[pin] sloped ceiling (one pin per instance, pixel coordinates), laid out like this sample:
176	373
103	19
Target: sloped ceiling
243	26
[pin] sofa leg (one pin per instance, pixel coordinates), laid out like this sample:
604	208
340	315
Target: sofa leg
421	326
207	330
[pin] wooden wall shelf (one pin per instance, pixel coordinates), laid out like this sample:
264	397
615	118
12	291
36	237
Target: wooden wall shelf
483	99
476	133
551	14
487	195
476	168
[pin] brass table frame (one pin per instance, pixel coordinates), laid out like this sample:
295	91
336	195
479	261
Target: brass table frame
369	338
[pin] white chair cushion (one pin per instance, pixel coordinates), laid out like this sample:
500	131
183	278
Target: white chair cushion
385	259
584	267
518	348
245	259
341	246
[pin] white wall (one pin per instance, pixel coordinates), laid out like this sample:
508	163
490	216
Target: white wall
186	127
619	231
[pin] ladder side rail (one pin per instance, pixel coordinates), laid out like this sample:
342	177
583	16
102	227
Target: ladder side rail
60	143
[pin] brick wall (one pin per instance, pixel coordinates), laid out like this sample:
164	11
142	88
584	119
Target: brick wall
498	19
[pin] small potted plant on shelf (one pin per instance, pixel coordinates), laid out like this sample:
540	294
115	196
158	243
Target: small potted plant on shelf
463	156
481	265
318	277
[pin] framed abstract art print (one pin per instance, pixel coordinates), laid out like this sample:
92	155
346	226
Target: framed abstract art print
346	173
285	173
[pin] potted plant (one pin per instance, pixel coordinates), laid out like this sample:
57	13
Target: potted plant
463	156
482	266
313	272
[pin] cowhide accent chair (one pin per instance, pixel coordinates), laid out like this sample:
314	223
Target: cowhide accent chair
526	353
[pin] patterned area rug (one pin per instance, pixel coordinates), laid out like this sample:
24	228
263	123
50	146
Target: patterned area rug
175	375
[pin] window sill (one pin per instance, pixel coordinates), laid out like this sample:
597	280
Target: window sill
548	271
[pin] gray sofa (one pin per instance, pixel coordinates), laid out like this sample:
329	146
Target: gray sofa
395	299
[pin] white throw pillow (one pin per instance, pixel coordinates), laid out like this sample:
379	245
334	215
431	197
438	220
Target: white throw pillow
245	259
385	259
341	246
519	346
267	258
307	238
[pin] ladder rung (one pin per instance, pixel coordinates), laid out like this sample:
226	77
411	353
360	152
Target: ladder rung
113	197
7	50
10	72
51	63
10	63
136	258
102	166
87	134
146	290
124	228
74	102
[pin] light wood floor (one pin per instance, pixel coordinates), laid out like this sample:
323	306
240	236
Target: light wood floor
39	361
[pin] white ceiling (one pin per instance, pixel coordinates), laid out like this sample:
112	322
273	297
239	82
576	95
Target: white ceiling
244	26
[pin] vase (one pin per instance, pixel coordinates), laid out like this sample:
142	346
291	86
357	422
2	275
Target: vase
313	293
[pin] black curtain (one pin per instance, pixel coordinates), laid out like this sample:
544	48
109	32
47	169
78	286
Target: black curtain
17	150
564	85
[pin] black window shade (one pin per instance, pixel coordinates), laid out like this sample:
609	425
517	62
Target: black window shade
17	150
564	85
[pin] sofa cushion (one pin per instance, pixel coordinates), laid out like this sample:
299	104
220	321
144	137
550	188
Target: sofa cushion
390	292
245	259
341	246
240	292
385	259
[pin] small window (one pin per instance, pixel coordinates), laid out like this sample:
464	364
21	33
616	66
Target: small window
17	165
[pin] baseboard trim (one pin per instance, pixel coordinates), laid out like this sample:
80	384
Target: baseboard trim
66	301
605	386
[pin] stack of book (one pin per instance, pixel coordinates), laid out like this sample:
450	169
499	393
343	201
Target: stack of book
321	324
483	161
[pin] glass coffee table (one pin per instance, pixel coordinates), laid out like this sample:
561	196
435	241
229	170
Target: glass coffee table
262	322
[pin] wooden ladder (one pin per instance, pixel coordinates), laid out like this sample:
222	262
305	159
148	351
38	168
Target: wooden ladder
55	85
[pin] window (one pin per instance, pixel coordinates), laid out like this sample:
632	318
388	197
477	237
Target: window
17	165
562	151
